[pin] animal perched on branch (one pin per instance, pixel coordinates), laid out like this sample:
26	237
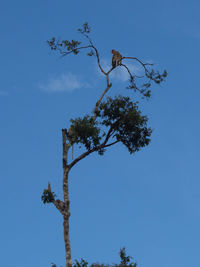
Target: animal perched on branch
116	58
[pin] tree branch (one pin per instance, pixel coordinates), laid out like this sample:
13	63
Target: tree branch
96	51
98	59
57	203
103	145
123	65
143	64
117	141
72	51
107	75
109	85
82	156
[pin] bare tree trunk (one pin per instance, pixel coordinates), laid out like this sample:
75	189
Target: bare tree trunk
66	212
66	216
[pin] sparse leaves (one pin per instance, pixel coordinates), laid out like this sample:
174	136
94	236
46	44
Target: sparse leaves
47	196
65	46
85	28
82	263
125	262
144	89
156	76
91	53
71	46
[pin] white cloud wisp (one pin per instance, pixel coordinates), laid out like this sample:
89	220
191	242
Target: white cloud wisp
64	83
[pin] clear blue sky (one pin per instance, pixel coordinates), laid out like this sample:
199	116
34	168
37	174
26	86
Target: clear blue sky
148	202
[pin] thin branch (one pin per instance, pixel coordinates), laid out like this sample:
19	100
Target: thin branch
103	145
112	143
108	135
110	70
78	48
83	47
123	65
151	64
96	51
127	70
82	156
109	85
98	60
57	203
143	64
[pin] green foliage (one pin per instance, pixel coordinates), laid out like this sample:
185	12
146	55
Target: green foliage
85	131
71	46
117	120
127	124
65	45
85	29
156	76
91	53
48	197
125	262
82	263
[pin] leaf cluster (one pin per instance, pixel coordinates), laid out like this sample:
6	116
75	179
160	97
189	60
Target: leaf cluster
123	123
69	46
85	131
125	262
65	47
156	76
126	122
85	29
47	196
151	75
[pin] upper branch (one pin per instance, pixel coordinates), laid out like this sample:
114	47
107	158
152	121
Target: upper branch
96	52
98	59
143	64
131	75
73	50
117	141
109	85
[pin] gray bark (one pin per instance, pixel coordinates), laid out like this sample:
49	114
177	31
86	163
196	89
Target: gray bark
66	210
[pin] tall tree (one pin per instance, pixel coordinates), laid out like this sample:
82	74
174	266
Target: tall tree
112	121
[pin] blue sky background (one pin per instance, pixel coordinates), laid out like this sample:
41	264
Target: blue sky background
148	202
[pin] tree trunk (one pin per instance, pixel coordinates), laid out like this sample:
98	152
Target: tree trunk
66	212
66	215
67	242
